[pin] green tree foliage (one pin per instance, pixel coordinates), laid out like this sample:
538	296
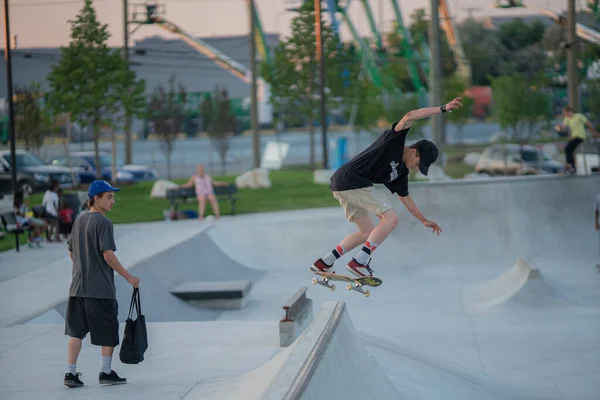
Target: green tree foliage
30	120
520	106
219	122
166	111
453	87
83	81
294	73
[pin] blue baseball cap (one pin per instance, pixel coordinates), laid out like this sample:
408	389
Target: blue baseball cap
98	187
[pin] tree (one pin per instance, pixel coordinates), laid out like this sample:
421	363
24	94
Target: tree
83	81
363	107
520	105
453	87
538	110
30	120
220	122
166	112
482	48
510	93
294	72
131	97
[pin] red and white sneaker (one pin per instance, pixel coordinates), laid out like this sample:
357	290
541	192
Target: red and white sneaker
320	266
359	269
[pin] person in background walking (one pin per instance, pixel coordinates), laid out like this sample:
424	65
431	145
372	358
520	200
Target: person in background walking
576	123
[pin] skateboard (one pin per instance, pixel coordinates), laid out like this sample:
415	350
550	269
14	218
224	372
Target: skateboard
354	283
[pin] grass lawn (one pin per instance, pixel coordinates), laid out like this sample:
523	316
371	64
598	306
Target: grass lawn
9	241
291	189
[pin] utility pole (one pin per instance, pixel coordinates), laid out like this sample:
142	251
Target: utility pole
321	59
435	78
9	95
572	50
254	89
128	144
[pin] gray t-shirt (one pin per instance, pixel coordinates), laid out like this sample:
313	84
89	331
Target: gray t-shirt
92	234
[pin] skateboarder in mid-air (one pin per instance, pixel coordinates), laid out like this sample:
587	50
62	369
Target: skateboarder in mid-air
386	161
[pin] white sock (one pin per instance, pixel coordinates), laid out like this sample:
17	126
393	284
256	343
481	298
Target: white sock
106	362
72	368
365	253
336	253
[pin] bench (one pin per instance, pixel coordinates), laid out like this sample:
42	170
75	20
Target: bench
214	294
9	222
298	314
185	195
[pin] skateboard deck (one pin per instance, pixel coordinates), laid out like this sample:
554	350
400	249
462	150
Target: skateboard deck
354	283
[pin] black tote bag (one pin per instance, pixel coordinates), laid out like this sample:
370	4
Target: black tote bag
135	338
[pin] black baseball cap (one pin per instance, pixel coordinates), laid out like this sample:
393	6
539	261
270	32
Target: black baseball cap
428	154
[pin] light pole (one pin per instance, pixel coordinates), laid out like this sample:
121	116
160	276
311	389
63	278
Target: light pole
9	95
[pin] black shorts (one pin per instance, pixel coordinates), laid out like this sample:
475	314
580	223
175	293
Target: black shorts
99	317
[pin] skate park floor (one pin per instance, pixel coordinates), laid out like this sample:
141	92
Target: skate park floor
504	304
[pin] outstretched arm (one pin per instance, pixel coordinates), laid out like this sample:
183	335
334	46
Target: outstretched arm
412	208
591	128
426	112
189	183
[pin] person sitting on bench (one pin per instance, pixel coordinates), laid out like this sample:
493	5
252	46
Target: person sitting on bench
36	225
205	191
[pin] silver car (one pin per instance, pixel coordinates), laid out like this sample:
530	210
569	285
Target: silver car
514	159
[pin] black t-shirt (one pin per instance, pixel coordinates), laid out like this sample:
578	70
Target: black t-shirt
381	162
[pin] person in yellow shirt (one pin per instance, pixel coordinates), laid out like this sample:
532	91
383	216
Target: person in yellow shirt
576	122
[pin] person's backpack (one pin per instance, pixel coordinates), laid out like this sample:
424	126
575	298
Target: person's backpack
135	337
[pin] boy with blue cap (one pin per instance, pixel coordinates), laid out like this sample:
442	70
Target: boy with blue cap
92	305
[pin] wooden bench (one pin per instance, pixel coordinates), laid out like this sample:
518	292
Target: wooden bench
184	195
214	294
298	314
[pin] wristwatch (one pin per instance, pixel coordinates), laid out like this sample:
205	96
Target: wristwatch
443	108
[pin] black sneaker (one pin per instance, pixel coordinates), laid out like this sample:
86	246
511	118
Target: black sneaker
73	380
111	379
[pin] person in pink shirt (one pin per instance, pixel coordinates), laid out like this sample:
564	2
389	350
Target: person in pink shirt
204	191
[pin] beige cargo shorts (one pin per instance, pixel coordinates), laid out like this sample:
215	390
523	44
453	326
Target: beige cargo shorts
359	203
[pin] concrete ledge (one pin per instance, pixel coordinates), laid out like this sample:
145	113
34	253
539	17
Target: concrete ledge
215	294
298	313
300	365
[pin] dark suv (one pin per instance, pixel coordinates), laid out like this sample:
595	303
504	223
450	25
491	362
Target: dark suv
33	175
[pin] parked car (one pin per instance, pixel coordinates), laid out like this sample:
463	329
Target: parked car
84	164
514	159
33	175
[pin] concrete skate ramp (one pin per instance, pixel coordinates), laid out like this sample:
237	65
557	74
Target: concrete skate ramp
329	361
520	285
425	377
197	259
495	220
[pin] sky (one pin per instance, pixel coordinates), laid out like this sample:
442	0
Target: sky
45	23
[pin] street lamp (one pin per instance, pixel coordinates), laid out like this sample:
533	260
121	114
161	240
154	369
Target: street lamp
9	95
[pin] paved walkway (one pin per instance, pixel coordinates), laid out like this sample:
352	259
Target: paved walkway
34	280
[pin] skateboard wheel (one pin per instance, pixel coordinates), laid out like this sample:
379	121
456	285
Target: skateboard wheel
332	288
315	281
367	293
349	286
